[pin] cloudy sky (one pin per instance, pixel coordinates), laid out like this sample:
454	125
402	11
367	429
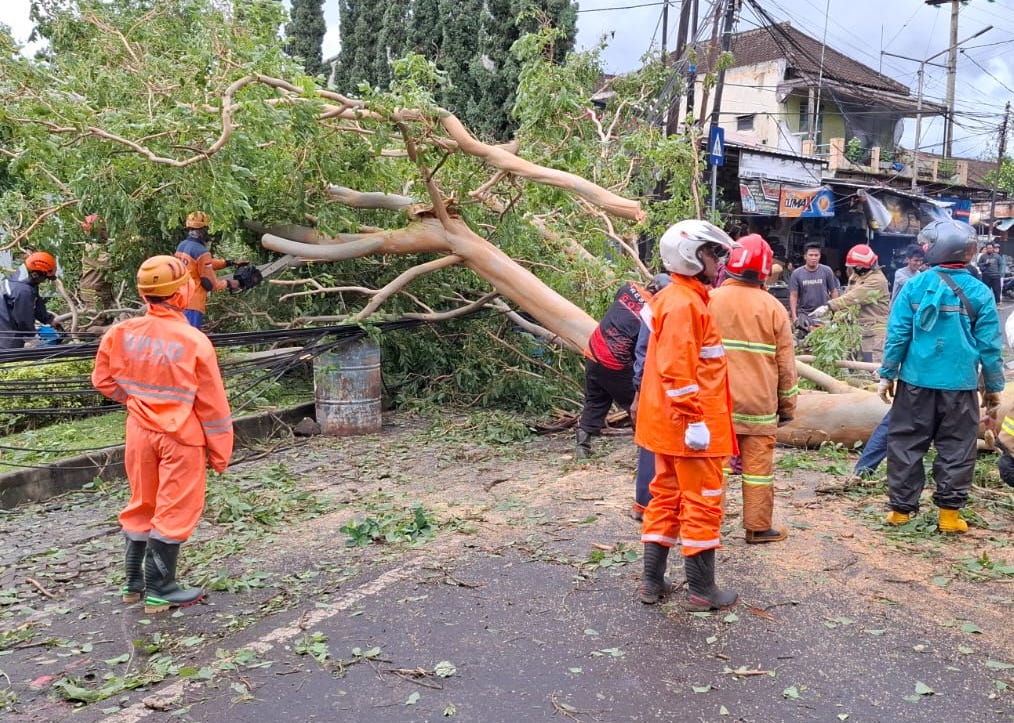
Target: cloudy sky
860	29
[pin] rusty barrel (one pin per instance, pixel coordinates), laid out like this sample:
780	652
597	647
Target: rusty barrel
347	388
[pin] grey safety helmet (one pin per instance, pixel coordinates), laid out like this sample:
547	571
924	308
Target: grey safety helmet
681	244
948	242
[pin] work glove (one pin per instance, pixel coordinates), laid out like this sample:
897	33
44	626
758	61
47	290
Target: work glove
821	310
886	390
991	403
697	436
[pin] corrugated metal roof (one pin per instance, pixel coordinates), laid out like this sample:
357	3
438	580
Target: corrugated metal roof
804	55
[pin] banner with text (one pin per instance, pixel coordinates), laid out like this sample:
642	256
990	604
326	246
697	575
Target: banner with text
806	202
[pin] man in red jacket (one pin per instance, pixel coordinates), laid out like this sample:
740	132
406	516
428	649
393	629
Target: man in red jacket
178	422
684	417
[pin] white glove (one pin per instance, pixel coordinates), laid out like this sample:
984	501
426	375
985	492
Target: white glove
697	436
886	390
820	311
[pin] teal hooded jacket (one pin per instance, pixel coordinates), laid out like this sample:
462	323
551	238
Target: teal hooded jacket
931	341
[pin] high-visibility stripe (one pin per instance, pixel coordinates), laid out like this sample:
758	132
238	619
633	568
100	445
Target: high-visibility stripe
754	347
790	392
682	390
154	391
712	493
759	480
661	539
755	418
218	426
712	352
703	544
1007	426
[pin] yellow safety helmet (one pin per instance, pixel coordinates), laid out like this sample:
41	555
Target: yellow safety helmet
198	219
161	276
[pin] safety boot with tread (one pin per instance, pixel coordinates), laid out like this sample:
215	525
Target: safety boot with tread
950	522
702	592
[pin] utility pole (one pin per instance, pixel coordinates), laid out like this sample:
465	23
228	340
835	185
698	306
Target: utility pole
952	71
731	6
918	103
999	168
665	31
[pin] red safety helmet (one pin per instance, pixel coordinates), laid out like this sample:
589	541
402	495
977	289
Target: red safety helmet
861	256
752	260
42	262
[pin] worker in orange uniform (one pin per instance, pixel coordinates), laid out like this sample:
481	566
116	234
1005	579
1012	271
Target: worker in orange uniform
684	417
178	423
757	336
193	251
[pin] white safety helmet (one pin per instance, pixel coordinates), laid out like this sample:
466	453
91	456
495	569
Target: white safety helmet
682	242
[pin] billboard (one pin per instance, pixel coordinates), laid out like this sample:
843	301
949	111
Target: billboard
806	202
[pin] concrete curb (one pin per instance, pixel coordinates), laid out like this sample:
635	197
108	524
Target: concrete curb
40	483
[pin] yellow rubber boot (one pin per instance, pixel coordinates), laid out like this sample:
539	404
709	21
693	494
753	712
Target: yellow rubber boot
896	518
950	522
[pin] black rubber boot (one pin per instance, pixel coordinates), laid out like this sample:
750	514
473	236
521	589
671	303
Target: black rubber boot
133	562
583	449
702	592
160	579
654	586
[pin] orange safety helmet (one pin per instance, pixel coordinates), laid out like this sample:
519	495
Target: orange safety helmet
161	276
752	260
198	219
861	256
42	262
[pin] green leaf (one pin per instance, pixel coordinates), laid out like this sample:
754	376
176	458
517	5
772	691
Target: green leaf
444	669
711	640
965	650
701	688
971	628
875	632
413	699
730	618
998	665
792	693
117	660
923	689
722	710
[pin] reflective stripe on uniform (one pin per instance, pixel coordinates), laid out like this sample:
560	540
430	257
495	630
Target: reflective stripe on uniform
760	480
217	426
712	352
703	544
1007	426
750	346
712	493
790	392
755	418
690	388
155	391
661	539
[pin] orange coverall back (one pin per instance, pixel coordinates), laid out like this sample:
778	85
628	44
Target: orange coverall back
166	373
685	381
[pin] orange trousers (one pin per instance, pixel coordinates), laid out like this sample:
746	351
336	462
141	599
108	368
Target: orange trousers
686	504
757	452
167	483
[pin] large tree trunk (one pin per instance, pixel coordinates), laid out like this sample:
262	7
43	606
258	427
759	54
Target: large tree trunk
839	418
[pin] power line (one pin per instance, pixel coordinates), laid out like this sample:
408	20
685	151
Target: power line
620	7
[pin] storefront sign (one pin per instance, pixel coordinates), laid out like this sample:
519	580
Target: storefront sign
806	202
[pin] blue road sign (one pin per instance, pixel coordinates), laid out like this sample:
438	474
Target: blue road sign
716	146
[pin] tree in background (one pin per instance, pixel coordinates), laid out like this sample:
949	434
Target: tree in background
469	40
305	35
